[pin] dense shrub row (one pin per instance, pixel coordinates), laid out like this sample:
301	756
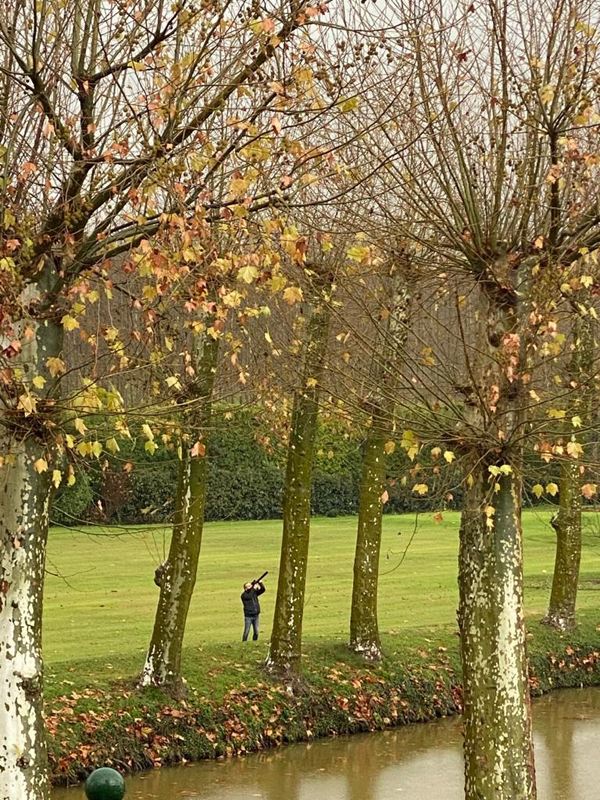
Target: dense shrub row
245	479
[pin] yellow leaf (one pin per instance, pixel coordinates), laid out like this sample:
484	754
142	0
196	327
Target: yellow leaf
348	104
247	274
41	465
28	403
555	413
97	449
389	447
587	281
311	382
538	490
147	431
56	477
547	93
293	294
574	449
112	446
70	441
173	380
449	456
576	422
358	252
151	447
56	366
80	426
69	323
39	381
421	488
552	489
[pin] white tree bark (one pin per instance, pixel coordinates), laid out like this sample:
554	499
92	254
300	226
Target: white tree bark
24	506
26	436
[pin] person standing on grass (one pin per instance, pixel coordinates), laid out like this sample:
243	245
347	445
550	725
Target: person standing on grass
251	608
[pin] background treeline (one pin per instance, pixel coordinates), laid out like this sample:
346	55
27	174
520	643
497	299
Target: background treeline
246	473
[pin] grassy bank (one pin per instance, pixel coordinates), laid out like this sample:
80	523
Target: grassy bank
95	717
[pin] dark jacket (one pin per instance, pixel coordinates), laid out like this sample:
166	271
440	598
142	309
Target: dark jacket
250	601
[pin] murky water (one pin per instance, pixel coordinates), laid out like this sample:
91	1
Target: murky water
408	763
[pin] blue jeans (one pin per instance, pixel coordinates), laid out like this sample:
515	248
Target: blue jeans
250	622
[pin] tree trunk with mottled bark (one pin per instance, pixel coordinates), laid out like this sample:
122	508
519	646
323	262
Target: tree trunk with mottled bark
28	457
567	520
178	573
364	626
498	747
286	638
498	743
567	526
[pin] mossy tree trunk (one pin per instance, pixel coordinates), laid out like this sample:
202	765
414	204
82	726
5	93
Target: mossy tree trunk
286	638
567	521
364	627
498	744
177	576
498	747
26	488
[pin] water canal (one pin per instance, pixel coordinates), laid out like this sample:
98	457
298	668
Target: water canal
408	763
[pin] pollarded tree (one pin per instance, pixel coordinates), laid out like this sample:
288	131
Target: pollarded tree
105	132
313	330
498	194
176	577
228	261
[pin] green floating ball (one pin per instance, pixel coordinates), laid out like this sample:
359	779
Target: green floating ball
105	784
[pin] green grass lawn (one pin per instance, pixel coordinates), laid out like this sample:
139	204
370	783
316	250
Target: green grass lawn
100	598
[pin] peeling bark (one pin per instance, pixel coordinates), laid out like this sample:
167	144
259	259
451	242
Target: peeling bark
24	507
286	639
178	573
498	743
25	497
498	748
364	627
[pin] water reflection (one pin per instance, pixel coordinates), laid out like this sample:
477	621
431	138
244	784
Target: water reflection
397	763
